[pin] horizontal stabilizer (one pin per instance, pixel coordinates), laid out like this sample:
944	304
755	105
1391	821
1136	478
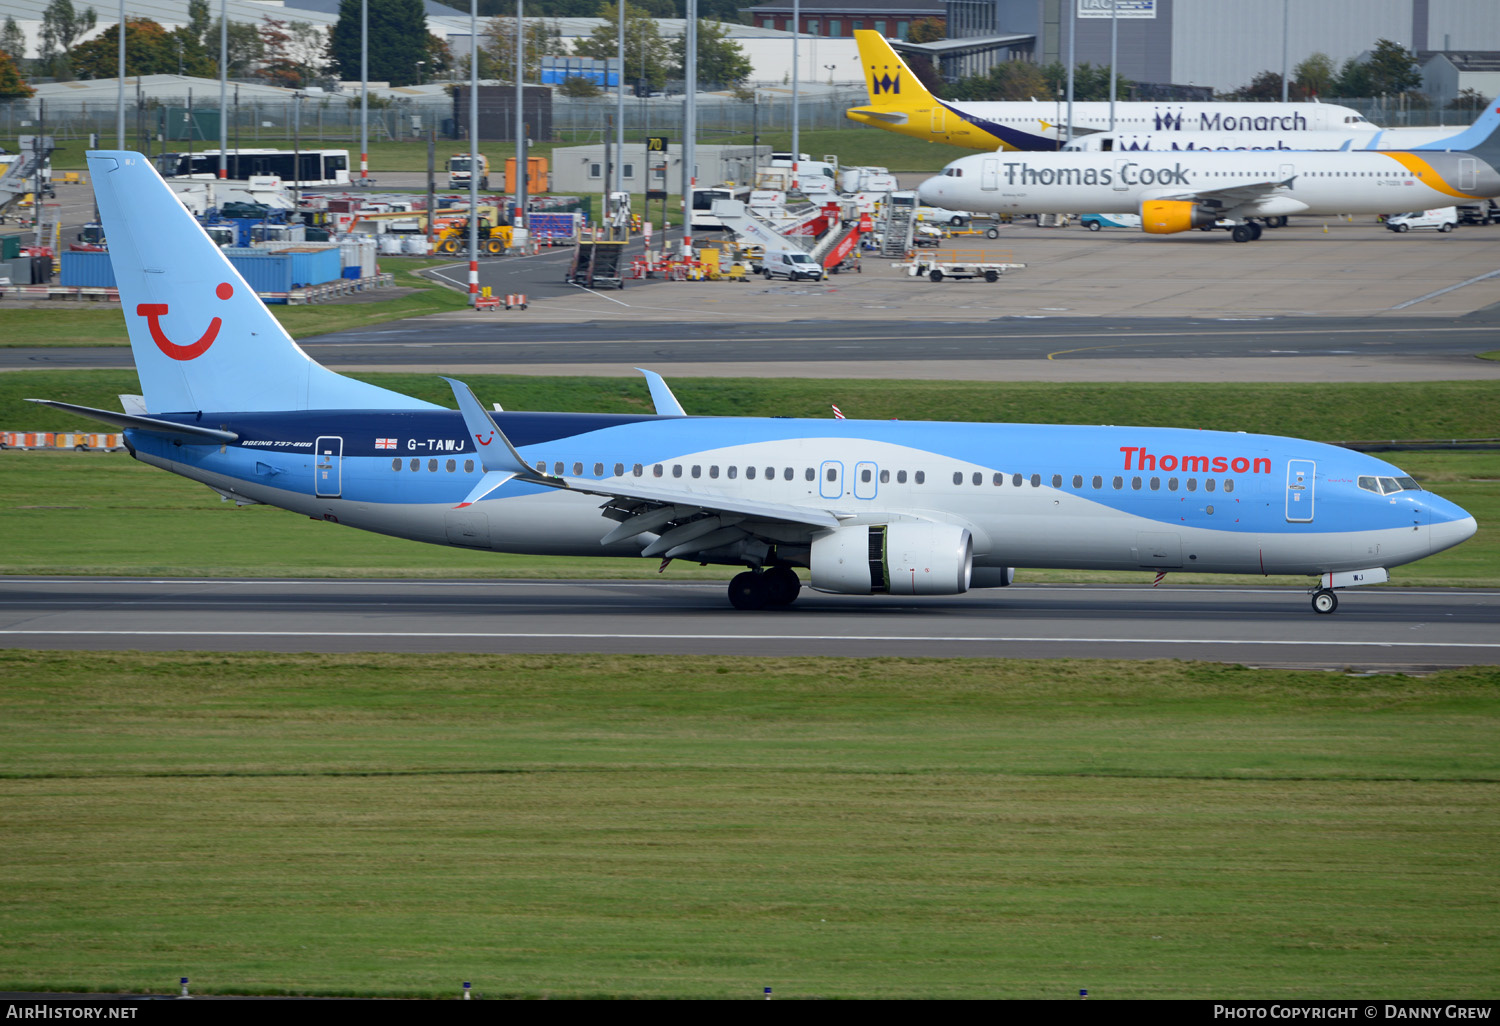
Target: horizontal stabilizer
492	481
890	117
189	434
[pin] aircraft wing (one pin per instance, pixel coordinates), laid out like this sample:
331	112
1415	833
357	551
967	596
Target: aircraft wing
1230	196
686	521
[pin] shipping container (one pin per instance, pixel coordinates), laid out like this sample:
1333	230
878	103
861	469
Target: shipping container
264	272
87	270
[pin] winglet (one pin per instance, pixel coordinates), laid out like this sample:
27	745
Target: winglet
661	395
497	459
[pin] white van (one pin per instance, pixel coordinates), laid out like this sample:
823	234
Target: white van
791	266
1443	220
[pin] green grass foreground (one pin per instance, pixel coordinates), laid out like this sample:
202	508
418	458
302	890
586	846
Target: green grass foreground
653	827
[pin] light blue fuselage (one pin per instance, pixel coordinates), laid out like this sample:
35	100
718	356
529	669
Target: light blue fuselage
1032	495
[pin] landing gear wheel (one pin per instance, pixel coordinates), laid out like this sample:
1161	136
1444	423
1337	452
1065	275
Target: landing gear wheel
993	233
1275	222
748	591
1242	233
935	275
1255	230
991	276
1324	601
782	585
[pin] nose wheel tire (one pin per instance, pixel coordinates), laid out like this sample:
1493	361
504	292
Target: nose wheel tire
1324	601
749	591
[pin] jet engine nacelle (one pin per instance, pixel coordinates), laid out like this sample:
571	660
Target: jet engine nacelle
899	559
1167	217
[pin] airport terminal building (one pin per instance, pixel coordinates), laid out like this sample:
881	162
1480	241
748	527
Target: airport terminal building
1209	43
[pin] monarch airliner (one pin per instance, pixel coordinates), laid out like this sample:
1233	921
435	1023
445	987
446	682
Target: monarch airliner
861	507
900	103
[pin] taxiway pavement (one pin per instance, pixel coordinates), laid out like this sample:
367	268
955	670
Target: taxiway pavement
1374	628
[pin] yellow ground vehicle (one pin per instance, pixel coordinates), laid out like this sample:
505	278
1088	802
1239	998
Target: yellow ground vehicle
452	236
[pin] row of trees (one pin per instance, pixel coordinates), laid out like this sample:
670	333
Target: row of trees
401	51
1390	69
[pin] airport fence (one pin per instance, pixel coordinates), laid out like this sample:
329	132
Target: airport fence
174	121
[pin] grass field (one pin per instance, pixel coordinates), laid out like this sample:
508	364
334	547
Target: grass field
590	826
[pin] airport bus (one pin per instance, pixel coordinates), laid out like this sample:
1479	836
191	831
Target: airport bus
704	200
301	168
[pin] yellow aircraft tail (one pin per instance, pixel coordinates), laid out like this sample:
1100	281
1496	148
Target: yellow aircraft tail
895	93
899	102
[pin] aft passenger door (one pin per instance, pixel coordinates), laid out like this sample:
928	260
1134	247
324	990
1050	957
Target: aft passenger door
1299	490
328	467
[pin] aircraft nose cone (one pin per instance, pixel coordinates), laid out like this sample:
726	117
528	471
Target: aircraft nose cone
931	191
1448	533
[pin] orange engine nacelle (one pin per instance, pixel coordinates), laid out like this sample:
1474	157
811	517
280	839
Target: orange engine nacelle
1165	217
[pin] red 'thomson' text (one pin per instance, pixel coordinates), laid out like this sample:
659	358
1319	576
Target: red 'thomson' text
1144	460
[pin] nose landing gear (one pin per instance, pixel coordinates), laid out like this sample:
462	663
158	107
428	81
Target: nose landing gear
1324	600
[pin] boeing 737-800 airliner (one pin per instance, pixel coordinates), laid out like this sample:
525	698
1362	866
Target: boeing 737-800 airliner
900	103
865	507
1174	192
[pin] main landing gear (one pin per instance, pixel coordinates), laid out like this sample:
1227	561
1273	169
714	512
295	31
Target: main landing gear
757	589
1324	600
1247	232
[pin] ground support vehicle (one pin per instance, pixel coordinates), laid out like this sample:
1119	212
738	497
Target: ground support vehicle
934	269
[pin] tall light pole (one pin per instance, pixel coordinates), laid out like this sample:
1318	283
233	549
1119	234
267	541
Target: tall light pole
223	88
120	103
620	111
1285	22
473	155
1114	55
796	97
519	185
690	119
1072	57
364	92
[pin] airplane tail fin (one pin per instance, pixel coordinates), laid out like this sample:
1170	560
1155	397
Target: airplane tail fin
201	337
891	84
1482	138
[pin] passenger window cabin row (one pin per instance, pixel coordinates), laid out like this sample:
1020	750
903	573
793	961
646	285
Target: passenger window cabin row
998	480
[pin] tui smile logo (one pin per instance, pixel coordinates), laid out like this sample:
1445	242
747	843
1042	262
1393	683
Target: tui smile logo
485	441
153	312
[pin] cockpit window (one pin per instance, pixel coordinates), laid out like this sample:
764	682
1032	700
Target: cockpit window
1387	485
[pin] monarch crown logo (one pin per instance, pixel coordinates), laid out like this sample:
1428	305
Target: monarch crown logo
885	84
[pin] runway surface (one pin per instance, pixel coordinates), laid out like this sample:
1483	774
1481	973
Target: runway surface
1374	629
